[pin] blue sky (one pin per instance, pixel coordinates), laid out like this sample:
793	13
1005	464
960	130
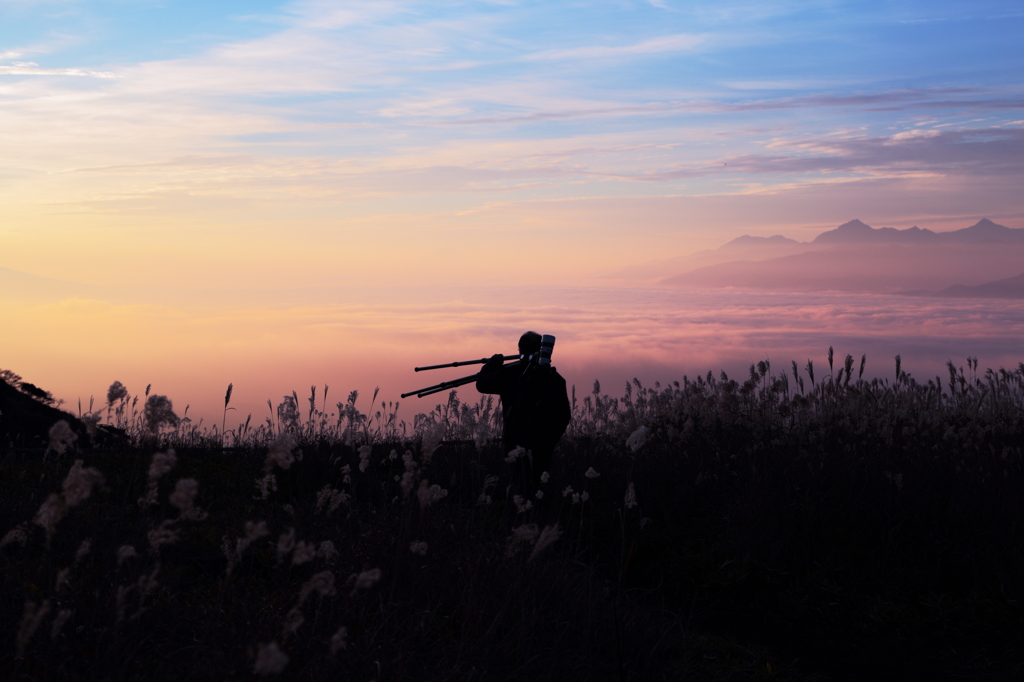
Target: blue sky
336	118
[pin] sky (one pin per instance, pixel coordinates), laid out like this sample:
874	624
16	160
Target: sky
277	194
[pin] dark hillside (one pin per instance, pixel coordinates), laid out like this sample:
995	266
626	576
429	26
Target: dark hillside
26	422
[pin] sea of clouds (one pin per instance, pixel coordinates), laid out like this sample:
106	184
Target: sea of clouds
190	347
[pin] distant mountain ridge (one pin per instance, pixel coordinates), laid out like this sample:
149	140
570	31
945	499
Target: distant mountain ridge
774	240
1011	287
853	233
983	232
858	257
746	247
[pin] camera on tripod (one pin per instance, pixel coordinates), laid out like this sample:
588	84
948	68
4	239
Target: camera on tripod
541	357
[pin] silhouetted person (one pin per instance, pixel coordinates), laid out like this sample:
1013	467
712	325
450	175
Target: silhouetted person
534	402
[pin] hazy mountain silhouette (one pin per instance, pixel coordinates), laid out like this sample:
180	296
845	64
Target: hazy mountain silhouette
1011	287
858	257
983	232
856	232
746	247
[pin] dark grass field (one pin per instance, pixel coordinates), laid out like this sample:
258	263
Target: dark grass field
840	530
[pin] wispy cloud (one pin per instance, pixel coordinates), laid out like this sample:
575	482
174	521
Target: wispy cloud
888	101
913	134
33	69
658	45
788	84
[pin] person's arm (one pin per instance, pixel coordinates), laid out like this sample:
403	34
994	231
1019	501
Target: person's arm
489	380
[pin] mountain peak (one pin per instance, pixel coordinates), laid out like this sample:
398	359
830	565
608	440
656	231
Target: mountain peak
750	240
852	231
987	225
985	232
854	225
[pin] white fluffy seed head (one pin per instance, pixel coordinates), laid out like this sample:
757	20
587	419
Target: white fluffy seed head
265	486
63	578
408	478
164	534
253	532
304	552
322	583
524	535
83	550
429	494
125	552
285	543
328	499
630	496
184	494
516	453
547	537
50	513
58	622
30	620
339	640
637	439
327	551
61	437
408	461
15	535
79	482
368	579
292	622
270	660
281	452
162	463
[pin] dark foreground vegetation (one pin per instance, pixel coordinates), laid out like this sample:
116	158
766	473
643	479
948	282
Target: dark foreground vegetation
787	526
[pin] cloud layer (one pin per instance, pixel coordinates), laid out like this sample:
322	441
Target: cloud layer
359	338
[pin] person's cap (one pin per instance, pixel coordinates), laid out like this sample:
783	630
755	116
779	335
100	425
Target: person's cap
529	343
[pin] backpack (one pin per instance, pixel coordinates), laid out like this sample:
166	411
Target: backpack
542	412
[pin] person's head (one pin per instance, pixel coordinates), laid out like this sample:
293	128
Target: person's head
529	343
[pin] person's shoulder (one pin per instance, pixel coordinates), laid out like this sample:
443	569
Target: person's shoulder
510	369
506	373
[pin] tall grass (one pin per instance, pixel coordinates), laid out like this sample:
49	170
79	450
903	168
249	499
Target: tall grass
710	528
